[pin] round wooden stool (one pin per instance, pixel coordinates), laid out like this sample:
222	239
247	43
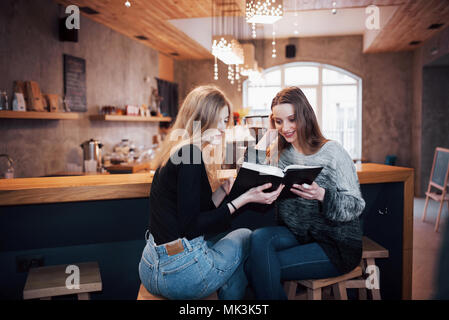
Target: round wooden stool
145	295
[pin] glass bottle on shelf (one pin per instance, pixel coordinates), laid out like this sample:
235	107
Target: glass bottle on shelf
4	100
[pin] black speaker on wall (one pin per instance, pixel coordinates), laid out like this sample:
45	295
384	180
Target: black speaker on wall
70	35
290	51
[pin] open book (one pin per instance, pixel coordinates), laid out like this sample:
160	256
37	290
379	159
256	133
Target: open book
252	175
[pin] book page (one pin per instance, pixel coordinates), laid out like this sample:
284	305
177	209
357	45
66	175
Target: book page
263	169
299	166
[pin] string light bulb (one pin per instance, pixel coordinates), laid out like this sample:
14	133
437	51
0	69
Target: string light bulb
296	21
215	69
128	4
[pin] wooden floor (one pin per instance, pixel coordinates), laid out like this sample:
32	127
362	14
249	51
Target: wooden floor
426	249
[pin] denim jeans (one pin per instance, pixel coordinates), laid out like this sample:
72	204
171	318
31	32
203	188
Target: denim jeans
199	270
276	255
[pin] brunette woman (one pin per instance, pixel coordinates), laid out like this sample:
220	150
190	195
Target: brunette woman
319	234
186	202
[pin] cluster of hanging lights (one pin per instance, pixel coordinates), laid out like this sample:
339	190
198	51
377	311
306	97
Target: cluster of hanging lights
225	46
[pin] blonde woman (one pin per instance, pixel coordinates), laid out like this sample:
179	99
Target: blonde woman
186	202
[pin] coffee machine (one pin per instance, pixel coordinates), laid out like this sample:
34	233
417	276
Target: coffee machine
91	152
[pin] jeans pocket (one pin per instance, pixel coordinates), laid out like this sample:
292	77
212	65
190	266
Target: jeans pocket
178	267
146	275
183	279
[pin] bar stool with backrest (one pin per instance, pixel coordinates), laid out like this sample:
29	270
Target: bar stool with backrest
352	279
439	180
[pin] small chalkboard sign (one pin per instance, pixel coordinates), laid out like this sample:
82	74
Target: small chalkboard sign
75	83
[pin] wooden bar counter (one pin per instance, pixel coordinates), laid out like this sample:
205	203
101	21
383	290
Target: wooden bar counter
137	185
112	201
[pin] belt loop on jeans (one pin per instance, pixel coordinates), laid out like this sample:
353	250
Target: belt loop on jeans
150	247
187	244
147	235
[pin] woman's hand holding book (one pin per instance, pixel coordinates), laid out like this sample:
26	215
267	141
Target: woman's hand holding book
256	195
309	192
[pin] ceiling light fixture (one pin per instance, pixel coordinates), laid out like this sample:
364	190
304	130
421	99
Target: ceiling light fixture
226	28
227	49
334	7
128	4
264	11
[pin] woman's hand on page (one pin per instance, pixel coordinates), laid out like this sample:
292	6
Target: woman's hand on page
309	192
257	195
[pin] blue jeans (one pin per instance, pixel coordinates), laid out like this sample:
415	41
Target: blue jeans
276	255
199	270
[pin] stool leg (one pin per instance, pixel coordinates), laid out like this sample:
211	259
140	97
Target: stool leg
290	289
340	291
326	292
375	293
423	218
314	294
362	290
84	296
362	294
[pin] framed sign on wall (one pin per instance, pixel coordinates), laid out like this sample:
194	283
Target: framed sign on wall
75	83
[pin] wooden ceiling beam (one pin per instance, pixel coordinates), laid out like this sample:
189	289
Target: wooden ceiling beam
150	18
409	23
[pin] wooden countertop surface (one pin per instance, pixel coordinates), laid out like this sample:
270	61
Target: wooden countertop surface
136	185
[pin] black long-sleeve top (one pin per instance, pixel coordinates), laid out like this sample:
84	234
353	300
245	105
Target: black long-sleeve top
181	200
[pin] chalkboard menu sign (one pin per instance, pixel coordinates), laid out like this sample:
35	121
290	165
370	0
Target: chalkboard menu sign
75	83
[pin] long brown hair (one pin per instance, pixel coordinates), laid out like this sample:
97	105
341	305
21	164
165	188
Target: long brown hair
310	138
202	104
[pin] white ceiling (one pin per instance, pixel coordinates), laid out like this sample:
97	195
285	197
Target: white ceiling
314	23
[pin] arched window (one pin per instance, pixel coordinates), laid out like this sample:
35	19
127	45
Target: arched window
335	95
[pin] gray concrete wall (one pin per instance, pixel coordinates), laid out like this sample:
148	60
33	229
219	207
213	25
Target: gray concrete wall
115	69
427	54
387	86
435	115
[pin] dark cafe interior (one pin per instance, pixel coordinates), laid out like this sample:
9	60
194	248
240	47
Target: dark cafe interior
224	150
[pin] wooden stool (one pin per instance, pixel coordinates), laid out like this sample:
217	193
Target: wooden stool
46	282
314	286
353	279
371	251
145	295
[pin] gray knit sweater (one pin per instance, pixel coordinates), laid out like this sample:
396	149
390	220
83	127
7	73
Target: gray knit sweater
334	223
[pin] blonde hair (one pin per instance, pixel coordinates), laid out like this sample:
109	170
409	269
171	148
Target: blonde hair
202	105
